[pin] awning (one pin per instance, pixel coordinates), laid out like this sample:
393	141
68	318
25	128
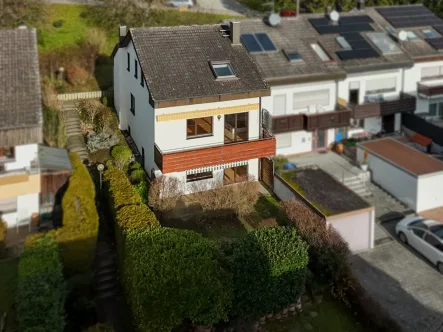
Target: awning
217	167
420	139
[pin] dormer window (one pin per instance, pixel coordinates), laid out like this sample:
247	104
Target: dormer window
222	69
293	56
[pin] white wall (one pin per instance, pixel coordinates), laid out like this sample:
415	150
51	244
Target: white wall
301	142
430	191
24	154
171	135
362	78
372	125
26	206
413	75
142	124
282	192
357	230
393	179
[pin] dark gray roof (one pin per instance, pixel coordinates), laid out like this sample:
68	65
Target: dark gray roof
20	94
53	159
175	62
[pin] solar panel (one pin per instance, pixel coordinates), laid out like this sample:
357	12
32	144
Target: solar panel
360	44
345	24
319	21
409	16
357	54
355	19
350	36
358	27
436	43
251	43
323	30
438	28
265	42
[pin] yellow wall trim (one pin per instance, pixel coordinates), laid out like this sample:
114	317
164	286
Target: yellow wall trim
209	112
32	185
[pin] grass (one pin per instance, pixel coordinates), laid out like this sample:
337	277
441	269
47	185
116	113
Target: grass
332	317
8	287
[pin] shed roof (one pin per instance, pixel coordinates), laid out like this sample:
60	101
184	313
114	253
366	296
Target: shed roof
403	156
20	94
176	62
53	159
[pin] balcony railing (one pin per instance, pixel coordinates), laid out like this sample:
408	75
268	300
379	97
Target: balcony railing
430	90
403	104
211	155
287	123
327	120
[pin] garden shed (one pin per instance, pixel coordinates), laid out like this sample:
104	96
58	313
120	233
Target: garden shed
350	215
413	177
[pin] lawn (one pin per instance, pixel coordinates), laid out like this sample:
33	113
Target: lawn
331	317
8	286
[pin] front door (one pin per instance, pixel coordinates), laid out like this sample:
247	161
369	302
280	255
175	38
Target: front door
319	140
388	123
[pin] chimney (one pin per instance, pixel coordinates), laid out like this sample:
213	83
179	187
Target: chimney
361	4
122	31
235	32
328	10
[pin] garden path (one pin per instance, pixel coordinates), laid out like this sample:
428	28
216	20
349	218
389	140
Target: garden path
75	140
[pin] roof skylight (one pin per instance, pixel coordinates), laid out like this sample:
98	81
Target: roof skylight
343	43
293	56
411	35
429	33
384	43
320	52
222	69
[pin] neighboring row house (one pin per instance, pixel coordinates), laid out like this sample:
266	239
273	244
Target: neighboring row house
30	173
195	102
190	99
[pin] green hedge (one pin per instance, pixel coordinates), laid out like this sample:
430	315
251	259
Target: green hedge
78	235
133	217
171	275
41	289
121	191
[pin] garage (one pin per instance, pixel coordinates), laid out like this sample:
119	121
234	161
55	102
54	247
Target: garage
413	177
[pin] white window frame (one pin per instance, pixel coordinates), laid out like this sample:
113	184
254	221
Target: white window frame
284	140
438	70
381	82
313	102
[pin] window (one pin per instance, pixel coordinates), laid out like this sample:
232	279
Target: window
293	56
429	33
235	174
284	140
7	153
222	70
279	105
236	127
132	104
384	43
302	100
437	231
433	72
411	35
320	52
379	86
418	232
142	79
198	176
343	43
433	241
8	204
129	62
199	127
135	68
433	109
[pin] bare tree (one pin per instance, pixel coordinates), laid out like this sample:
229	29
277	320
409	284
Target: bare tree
16	12
93	45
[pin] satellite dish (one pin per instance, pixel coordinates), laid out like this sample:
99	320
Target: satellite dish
334	16
402	35
274	19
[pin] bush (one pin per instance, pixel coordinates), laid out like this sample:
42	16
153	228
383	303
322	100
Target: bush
142	189
122	155
104	101
171	275
269	268
136	217
100	141
78	235
135	165
58	23
76	75
93	44
120	189
279	162
138	176
94	116
53	128
41	288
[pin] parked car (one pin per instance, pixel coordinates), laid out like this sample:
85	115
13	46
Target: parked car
181	3
425	236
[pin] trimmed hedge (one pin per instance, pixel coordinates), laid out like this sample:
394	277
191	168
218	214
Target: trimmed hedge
133	217
78	235
171	275
41	289
121	191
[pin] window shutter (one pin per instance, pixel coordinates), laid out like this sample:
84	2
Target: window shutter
279	105
303	100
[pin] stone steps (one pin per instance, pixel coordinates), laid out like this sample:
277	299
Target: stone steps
76	141
357	185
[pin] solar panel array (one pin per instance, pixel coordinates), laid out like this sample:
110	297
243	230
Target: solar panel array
345	24
436	43
257	42
361	49
409	16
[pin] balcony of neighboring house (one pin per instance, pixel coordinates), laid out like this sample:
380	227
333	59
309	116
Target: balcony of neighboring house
431	89
327	120
376	106
237	146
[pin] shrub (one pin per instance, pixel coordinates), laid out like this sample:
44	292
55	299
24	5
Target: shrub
53	128
138	176
142	189
133	217
93	44
120	189
100	141
104	101
135	165
78	235
171	275
58	23
122	155
76	75
41	288
269	270
279	162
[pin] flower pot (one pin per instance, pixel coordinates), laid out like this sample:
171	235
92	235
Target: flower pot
364	167
339	148
262	320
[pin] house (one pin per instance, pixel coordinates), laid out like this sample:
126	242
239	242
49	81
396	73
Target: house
338	75
20	125
190	98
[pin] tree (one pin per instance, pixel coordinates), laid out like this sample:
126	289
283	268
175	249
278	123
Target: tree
15	12
269	270
93	45
171	275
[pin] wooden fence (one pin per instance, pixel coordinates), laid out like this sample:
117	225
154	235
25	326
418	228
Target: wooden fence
85	95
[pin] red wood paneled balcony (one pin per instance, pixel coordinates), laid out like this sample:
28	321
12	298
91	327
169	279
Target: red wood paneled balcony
430	90
182	160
